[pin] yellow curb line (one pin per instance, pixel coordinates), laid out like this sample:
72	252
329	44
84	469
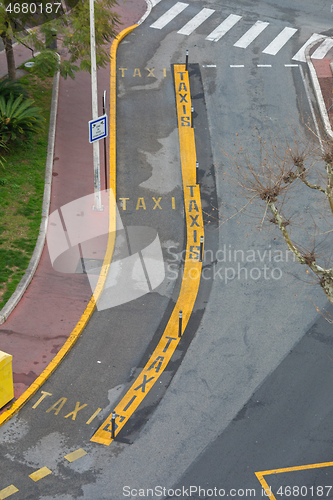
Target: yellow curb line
83	321
169	341
260	475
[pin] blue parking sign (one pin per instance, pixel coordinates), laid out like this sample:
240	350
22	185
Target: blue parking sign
98	129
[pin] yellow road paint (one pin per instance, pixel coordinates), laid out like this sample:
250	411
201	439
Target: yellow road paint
160	358
7	492
71	457
94	415
6	378
260	475
40	473
83	321
147	203
141	72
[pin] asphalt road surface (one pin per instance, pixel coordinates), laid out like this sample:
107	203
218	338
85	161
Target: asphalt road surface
250	389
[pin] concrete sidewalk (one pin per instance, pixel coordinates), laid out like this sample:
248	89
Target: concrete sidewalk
54	302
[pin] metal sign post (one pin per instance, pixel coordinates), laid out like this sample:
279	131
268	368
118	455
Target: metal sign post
105	159
97	174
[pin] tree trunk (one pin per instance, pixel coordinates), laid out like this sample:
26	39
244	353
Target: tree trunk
9	56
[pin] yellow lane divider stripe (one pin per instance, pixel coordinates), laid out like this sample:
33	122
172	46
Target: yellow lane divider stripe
83	321
40	474
75	455
191	278
7	492
260	475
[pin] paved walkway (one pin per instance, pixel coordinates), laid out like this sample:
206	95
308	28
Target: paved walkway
54	302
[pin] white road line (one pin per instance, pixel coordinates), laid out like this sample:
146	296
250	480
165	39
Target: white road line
264	65
251	34
169	15
279	41
300	55
209	65
223	28
196	21
237	65
322	50
291	65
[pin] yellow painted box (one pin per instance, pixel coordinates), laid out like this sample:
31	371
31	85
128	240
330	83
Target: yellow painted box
6	378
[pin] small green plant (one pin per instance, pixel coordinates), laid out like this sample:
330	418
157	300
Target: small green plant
18	118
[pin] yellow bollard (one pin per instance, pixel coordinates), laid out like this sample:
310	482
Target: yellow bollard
6	378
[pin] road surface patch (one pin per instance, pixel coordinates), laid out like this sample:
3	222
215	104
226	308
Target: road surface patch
170	339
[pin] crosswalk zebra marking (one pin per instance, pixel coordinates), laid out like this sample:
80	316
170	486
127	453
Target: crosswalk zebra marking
223	28
279	41
251	34
300	55
196	21
169	15
323	48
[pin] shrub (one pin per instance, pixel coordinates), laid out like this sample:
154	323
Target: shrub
18	118
9	86
46	63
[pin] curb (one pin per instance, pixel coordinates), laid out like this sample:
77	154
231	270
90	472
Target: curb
75	334
28	275
150	5
317	89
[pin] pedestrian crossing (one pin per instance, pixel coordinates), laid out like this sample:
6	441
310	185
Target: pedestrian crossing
223	28
254	32
251	35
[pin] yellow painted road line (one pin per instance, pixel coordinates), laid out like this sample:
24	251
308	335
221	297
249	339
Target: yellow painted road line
40	473
260	475
113	103
75	334
7	492
71	457
161	356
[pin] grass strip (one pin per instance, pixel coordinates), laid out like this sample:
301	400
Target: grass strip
21	193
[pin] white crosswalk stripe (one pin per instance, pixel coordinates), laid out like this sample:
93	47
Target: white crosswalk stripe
247	38
322	50
300	55
279	41
223	28
251	34
169	15
196	21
